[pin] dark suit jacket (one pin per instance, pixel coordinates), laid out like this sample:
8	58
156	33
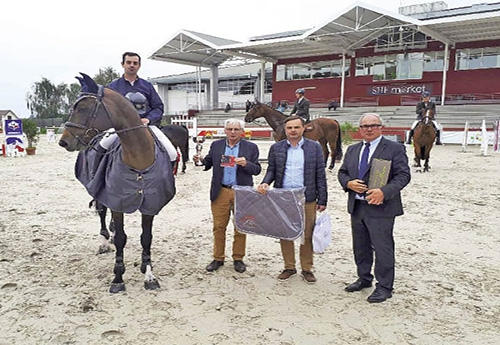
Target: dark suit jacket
399	176
301	108
314	169
244	175
422	108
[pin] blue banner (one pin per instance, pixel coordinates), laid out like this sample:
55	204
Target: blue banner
13	127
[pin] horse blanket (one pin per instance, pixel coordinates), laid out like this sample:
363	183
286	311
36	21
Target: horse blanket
121	188
279	213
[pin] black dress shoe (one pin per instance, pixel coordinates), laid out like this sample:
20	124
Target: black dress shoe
239	266
379	295
214	265
358	285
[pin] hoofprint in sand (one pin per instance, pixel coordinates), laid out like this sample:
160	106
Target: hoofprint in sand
54	287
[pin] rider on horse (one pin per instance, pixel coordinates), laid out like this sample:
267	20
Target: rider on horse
301	105
422	107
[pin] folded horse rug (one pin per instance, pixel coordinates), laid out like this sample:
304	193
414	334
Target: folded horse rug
279	213
123	189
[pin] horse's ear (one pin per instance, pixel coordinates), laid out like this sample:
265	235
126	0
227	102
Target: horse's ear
88	84
256	101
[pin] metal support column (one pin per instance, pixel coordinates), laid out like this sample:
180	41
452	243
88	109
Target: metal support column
445	71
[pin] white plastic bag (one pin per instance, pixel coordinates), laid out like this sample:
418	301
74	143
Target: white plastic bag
322	235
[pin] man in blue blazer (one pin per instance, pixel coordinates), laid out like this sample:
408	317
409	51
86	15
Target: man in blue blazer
233	162
373	211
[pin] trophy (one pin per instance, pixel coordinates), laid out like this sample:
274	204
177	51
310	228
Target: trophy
199	140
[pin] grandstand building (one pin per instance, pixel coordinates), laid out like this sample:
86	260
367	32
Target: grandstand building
361	56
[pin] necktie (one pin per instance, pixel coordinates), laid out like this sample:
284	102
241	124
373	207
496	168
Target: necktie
363	164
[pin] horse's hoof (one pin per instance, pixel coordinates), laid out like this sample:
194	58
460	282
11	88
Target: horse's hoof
117	287
151	284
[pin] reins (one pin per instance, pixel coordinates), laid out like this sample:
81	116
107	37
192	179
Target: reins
90	131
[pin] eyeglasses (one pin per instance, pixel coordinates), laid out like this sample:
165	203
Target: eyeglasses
372	126
233	129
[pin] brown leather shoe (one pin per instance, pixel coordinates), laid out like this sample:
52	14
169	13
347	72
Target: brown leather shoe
308	277
286	274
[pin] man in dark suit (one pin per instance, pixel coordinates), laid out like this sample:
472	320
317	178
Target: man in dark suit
233	162
301	105
373	211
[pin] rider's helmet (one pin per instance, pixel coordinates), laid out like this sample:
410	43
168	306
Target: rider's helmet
138	100
300	91
426	94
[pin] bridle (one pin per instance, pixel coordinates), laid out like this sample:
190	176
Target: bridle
90	131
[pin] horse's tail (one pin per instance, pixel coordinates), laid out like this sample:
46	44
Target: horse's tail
339	153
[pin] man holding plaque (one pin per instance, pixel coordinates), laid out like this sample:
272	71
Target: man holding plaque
374	172
233	162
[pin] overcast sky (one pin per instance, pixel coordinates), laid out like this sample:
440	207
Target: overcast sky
57	39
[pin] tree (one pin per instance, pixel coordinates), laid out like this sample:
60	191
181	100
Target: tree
48	100
106	76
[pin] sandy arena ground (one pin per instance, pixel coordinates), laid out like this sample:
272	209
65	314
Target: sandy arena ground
54	287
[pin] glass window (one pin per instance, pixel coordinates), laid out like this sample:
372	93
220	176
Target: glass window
321	69
301	71
378	68
390	67
491	57
280	72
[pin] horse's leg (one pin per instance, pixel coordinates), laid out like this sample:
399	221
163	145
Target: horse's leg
150	281
117	284
324	146
185	155
106	239
333	150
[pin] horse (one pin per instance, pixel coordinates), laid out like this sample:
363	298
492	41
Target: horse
179	137
325	131
135	174
424	136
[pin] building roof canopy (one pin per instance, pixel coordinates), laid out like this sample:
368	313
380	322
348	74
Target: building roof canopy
345	32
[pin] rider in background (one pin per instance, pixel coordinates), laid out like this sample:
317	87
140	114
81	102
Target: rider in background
301	105
422	107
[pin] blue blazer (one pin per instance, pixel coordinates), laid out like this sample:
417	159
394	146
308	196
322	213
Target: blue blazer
244	175
399	176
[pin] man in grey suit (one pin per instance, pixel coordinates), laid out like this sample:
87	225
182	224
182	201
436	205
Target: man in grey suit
233	162
373	211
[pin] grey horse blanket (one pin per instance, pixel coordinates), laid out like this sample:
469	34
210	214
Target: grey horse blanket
279	213
123	189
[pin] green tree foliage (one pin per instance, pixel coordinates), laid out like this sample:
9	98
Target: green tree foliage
48	100
106	76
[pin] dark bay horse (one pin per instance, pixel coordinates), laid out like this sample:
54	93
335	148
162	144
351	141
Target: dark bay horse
423	140
179	137
137	176
325	131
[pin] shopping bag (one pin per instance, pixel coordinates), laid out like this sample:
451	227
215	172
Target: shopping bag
322	235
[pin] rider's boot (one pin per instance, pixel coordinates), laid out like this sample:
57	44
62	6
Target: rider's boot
408	142
438	137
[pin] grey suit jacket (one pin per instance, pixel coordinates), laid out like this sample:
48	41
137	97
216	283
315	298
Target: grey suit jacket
399	176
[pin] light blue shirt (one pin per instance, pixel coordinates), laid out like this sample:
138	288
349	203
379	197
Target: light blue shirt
229	177
294	169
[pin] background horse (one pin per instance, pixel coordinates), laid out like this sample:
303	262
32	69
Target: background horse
325	131
138	161
423	139
179	136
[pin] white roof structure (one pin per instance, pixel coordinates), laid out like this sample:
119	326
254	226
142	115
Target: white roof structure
346	31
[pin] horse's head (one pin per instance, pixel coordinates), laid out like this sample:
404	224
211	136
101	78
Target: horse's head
254	112
428	117
88	116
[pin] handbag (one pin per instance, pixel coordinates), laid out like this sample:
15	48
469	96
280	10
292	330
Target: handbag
322	235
